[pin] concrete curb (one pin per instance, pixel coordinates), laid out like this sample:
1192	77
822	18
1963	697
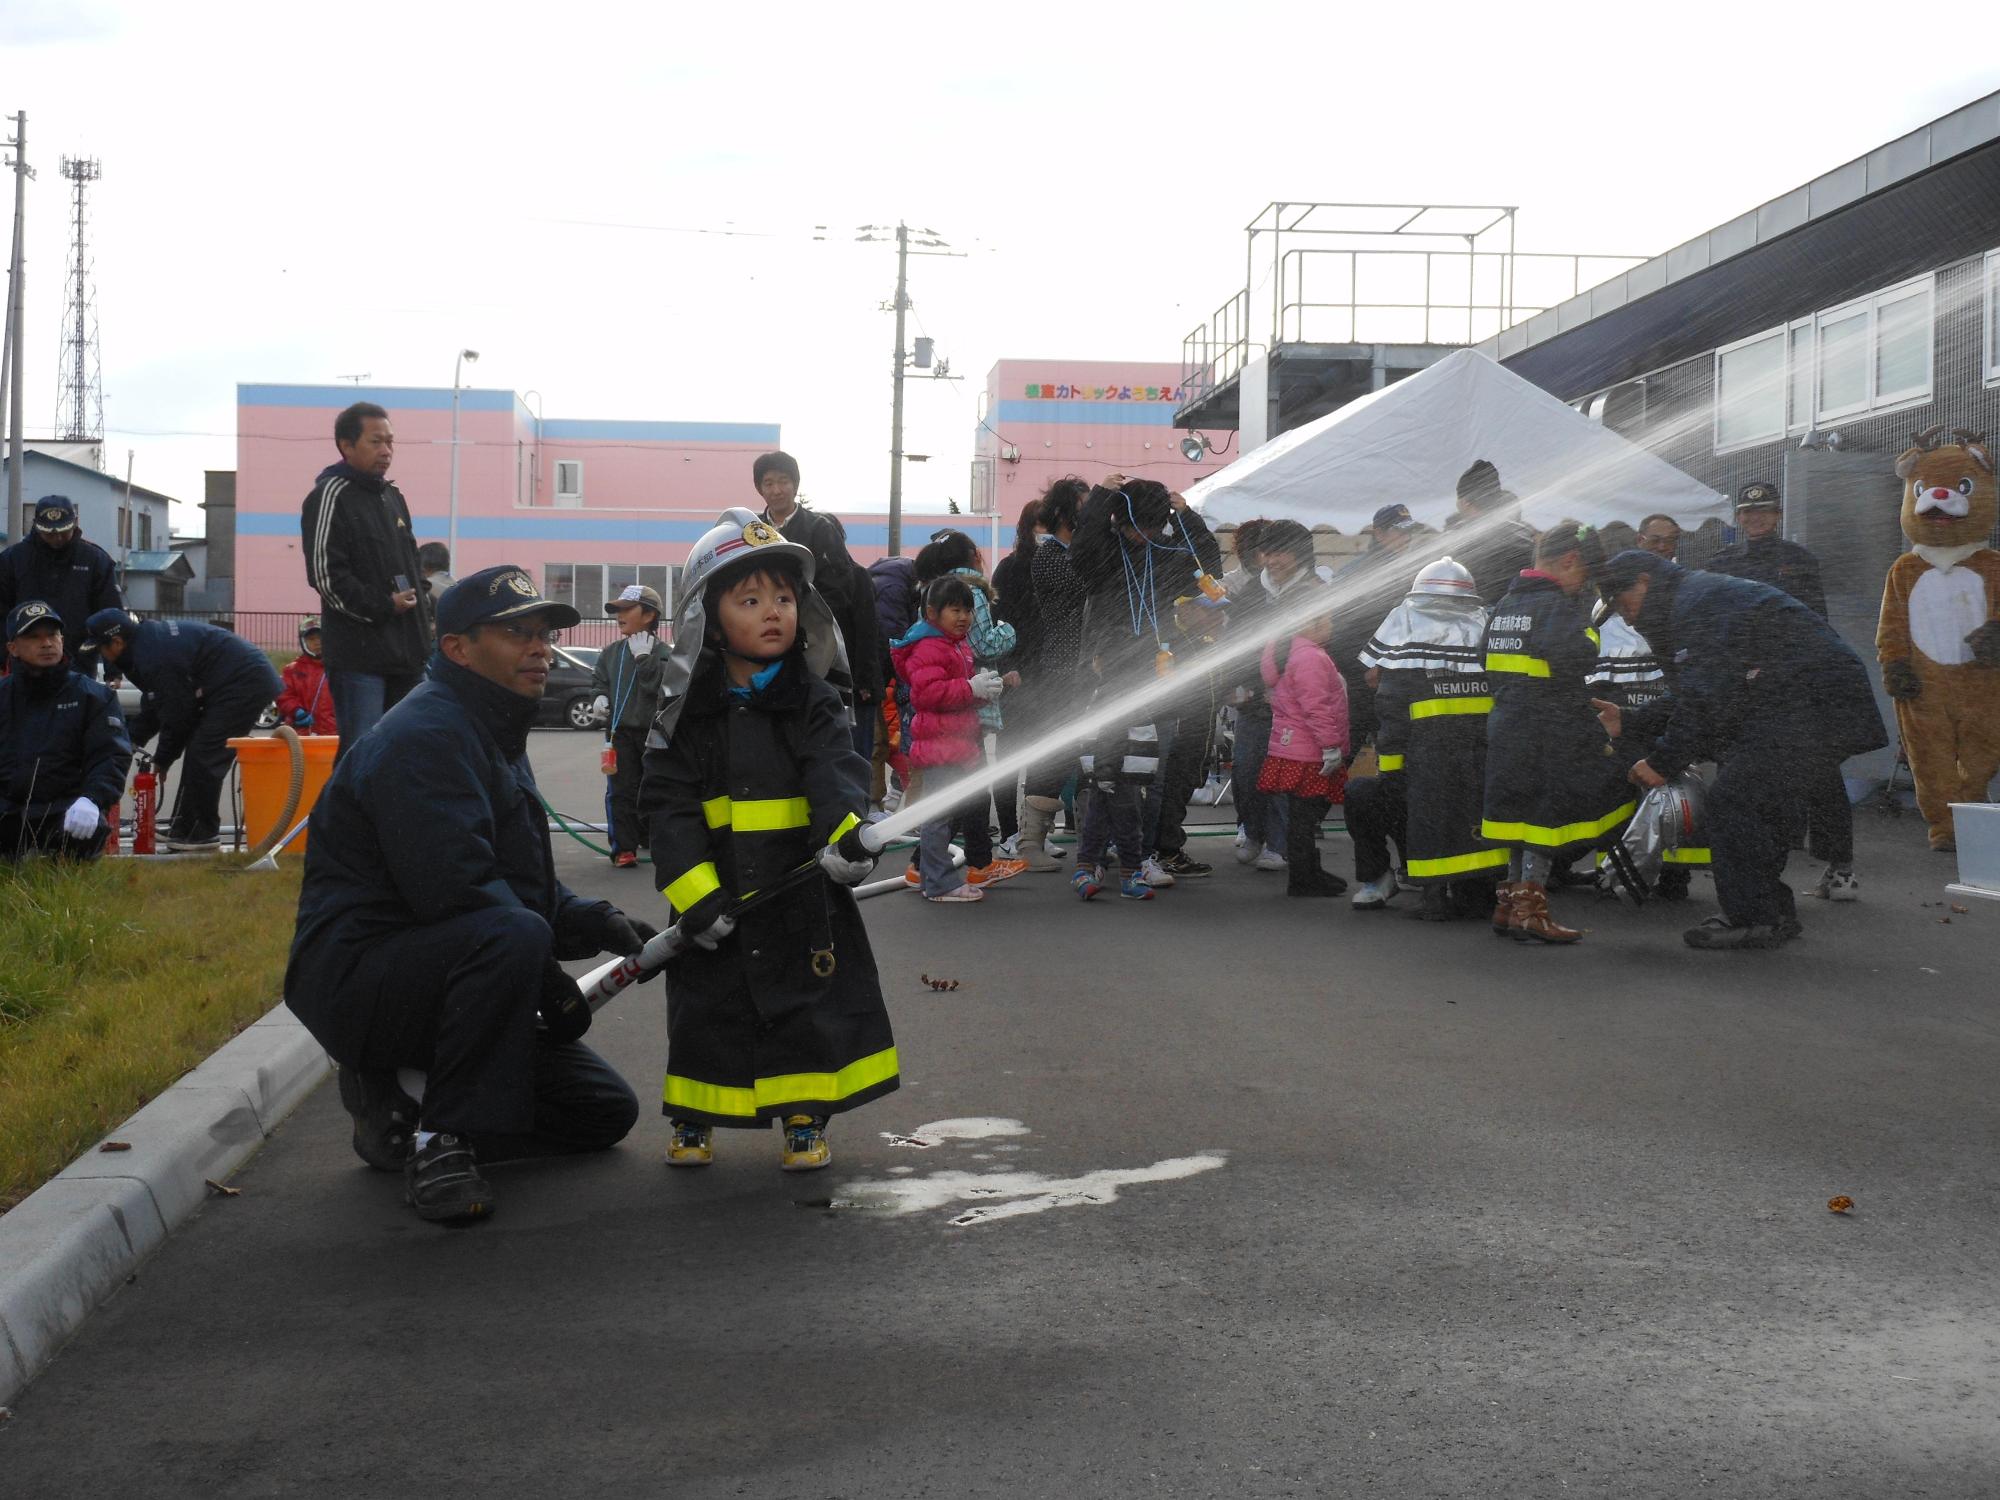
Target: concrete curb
67	1246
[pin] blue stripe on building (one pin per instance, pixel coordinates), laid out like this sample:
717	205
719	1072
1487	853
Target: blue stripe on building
1090	413
394	397
573	526
757	434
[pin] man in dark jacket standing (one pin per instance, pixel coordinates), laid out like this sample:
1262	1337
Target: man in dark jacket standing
72	576
1764	687
432	925
839	579
1497	544
1763	556
362	557
204	686
63	748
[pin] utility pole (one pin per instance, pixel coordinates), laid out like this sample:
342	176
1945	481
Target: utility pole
16	316
929	243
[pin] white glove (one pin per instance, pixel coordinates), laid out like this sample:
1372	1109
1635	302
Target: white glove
986	684
82	819
600	707
843	871
1329	761
713	934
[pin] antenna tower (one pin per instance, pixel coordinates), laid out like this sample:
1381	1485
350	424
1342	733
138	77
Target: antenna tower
79	379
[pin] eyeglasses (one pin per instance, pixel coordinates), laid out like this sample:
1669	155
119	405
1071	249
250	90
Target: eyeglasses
523	635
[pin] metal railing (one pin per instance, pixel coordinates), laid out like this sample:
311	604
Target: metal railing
277	630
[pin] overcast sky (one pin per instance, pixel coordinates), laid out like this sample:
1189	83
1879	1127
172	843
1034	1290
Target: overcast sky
304	192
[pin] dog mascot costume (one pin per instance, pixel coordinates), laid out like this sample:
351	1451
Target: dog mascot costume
1939	633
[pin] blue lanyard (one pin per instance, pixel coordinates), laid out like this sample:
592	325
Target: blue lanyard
621	699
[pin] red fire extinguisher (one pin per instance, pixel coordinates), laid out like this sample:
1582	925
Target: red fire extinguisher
145	801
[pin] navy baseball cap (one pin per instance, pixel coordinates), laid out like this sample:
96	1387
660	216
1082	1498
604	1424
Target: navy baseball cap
1397	516
29	613
1759	496
108	625
55	513
502	593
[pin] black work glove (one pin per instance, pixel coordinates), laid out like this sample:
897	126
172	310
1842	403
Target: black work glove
625	935
1900	680
565	1013
1985	644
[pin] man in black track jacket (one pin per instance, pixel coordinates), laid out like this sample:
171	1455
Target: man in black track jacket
362	558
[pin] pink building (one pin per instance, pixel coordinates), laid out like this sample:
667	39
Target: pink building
1044	418
587	506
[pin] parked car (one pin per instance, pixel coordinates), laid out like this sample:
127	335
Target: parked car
567	702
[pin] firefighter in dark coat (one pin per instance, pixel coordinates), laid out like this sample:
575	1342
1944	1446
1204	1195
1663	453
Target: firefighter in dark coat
1767	689
750	773
1553	787
432	925
74	577
204	687
63	748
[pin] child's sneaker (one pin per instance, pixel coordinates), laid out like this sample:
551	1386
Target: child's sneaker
1134	887
806	1149
913	876
1245	850
960	893
692	1145
1269	859
1154	874
1087	882
997	871
1009	848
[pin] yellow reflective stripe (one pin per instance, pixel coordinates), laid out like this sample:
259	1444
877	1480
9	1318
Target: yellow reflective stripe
787	1088
1458	864
767	815
850	821
1520	666
1569	833
1595	638
1686	857
691	887
1389	762
1430	708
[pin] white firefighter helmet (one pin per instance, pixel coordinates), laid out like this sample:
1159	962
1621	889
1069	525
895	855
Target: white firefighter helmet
1446	579
739	538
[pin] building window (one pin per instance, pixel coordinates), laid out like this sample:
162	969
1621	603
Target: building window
569	481
588	587
145	532
1799	387
1750	391
1993	314
1875	352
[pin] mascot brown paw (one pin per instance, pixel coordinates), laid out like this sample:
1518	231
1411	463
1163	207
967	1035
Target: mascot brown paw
1900	680
1985	644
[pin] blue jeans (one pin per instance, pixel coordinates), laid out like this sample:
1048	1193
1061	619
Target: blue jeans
1262	815
934	836
866	716
361	698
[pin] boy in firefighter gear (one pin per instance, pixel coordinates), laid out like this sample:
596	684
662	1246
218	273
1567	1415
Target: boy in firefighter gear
1433	697
751	772
1938	636
63	748
1553	787
1763	686
1630	674
306	701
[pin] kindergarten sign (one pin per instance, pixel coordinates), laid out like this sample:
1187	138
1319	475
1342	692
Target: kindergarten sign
1048	392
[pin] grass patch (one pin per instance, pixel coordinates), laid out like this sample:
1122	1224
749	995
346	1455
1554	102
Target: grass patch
115	979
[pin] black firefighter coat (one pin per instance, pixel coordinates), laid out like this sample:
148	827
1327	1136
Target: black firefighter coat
785	1016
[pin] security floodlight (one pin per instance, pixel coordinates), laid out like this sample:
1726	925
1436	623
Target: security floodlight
471	355
1194	447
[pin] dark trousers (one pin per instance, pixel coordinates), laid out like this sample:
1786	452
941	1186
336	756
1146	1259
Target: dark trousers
1111	815
457	1000
1829	818
1184	743
1304	815
1262	814
1007	794
621	792
1755	804
361	698
1377	812
22	833
228	713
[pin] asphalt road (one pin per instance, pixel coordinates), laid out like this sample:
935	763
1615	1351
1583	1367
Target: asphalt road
1302	1202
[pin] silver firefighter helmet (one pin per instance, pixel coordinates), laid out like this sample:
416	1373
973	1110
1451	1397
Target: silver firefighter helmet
1446	579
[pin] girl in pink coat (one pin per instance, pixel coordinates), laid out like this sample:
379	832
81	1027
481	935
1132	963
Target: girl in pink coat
1308	747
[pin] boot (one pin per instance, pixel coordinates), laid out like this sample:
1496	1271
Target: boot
1503	908
1532	922
1038	815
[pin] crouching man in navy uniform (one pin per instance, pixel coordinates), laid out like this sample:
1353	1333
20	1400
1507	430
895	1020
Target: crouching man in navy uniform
432	925
63	748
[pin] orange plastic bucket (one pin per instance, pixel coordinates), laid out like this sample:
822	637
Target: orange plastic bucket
265	766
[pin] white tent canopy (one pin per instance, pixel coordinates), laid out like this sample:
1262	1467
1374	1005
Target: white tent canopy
1410	441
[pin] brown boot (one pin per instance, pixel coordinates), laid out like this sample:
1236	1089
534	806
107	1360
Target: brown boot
1532	922
1503	908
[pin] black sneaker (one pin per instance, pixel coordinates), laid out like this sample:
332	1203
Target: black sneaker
1719	933
442	1183
1182	866
385	1118
1434	905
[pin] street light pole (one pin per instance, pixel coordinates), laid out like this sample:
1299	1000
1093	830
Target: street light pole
451	529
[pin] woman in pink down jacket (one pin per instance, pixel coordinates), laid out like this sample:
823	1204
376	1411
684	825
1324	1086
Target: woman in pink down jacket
1308	747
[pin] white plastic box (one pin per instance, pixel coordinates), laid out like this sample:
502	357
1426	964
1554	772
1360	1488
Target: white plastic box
1977	828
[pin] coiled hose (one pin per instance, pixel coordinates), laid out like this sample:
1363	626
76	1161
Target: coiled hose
294	789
